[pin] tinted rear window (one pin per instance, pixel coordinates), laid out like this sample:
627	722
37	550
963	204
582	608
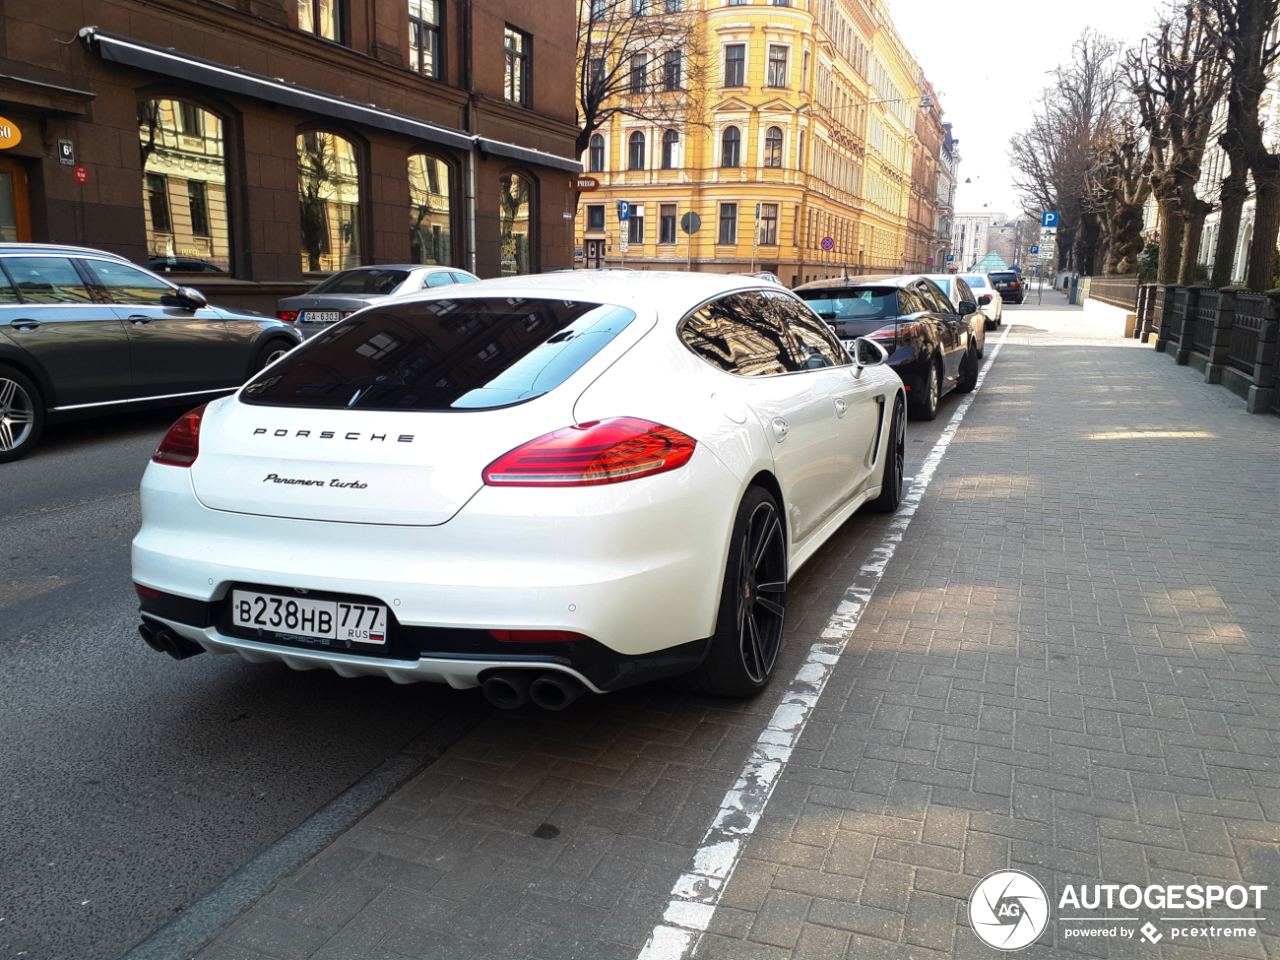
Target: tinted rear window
862	303
473	353
363	281
1003	277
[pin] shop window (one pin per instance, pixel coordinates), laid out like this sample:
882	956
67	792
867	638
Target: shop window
595	217
321	17
424	37
429	211
635	225
515	194
329	202
768	224
728	223
184	183
667	223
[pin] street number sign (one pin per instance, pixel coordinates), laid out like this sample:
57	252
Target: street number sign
624	210
66	152
82	174
828	243
690	222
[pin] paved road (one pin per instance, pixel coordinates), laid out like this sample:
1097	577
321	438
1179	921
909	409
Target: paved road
134	783
1070	667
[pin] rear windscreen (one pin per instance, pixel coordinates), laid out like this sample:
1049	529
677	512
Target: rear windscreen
363	282
863	303
473	353
1003	277
977	282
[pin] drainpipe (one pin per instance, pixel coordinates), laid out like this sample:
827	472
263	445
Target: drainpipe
471	210
468	84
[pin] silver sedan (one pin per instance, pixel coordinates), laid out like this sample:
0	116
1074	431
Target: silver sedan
342	294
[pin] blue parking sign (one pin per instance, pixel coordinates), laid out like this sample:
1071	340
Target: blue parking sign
1049	218
624	210
951	258
1035	250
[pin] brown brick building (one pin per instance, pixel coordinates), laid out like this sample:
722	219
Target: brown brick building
277	140
925	241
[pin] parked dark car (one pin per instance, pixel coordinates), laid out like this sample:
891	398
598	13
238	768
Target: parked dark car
1009	285
930	342
958	291
337	297
84	332
183	265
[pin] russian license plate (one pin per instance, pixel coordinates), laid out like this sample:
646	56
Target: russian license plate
321	316
301	617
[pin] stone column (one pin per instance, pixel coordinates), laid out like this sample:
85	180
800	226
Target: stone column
1164	296
1187	322
1266	366
1220	345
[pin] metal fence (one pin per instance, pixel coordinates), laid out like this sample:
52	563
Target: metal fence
1206	316
1121	291
1250	317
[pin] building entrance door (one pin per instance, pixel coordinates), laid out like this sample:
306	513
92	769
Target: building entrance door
15	217
595	254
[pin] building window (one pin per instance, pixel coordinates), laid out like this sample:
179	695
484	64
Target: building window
768	224
735	65
429	211
773	147
321	17
329	202
730	144
777	65
515	195
674	6
667	223
639	67
635	151
728	223
595	156
670	146
671	70
595	217
424	37
639	7
183	155
635	225
517	46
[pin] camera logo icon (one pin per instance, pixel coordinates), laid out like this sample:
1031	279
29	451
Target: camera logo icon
1009	910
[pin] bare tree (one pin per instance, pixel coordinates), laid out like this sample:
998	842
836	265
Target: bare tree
637	58
1118	188
1177	76
1052	158
1247	34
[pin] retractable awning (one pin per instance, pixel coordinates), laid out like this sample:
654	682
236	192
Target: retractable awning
219	76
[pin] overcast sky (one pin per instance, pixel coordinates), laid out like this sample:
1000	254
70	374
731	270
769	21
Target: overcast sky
989	60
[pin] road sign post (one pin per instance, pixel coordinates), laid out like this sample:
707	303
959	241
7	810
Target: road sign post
624	218
690	223
828	244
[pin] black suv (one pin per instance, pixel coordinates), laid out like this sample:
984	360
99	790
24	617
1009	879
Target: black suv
83	332
930	340
1009	285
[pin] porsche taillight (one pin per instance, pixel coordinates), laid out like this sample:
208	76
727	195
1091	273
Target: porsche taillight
589	454
181	445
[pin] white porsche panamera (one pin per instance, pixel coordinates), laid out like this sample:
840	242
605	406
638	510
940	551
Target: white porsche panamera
544	485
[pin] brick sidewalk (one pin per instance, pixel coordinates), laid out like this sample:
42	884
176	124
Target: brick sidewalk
1069	668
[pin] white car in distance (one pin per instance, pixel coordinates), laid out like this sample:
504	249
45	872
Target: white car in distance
544	485
990	303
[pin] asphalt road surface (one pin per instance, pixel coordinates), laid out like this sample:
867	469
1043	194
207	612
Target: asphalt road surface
131	783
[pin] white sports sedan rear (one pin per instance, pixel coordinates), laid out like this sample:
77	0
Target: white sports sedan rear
543	485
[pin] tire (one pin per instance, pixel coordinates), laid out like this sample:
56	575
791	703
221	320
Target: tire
894	464
21	414
926	407
753	605
968	372
269	353
982	342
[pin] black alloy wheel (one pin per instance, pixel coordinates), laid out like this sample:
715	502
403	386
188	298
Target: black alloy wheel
270	352
895	460
21	414
753	605
925	407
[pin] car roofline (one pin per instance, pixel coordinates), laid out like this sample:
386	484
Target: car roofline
8	248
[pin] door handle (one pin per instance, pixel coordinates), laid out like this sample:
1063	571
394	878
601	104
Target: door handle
780	429
841	407
24	324
139	320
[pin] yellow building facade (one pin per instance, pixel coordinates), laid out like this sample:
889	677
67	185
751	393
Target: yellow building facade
779	138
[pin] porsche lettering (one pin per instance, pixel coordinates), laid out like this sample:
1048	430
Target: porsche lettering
330	434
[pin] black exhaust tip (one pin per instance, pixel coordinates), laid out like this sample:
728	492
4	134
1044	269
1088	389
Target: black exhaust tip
508	689
164	640
149	634
555	691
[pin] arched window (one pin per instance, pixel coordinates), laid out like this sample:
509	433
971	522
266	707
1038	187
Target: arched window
515	194
184	185
730	144
329	201
773	147
635	151
595	157
429	221
670	150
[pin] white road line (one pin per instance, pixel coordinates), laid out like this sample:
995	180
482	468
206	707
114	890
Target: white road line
695	895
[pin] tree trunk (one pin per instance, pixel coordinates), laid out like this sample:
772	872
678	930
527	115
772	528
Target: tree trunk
1172	228
1235	190
1193	234
1266	225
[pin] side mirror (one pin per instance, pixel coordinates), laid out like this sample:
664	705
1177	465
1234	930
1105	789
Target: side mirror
984	299
868	353
967	307
191	298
